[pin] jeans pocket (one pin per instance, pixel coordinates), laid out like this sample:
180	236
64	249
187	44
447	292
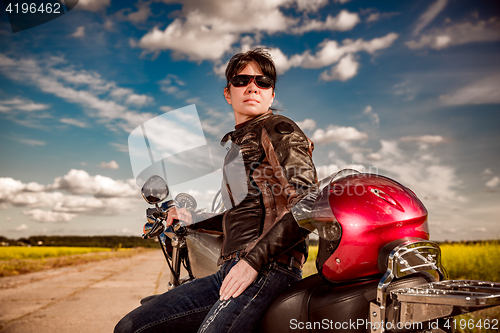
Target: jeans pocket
294	272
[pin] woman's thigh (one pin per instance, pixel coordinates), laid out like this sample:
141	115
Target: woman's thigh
181	309
243	313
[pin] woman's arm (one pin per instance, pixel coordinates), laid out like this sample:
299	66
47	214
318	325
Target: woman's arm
289	153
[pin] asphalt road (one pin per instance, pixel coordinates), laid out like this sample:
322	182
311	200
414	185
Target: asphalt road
87	298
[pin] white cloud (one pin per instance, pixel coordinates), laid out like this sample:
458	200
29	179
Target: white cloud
328	170
120	147
484	91
457	34
493	182
142	13
374	157
375	119
217	123
22	227
35	199
108	25
380	16
10	187
407	89
20	104
434	182
80	32
487	171
344	21
129	97
310	5
80	182
31	142
74	122
93	5
429	15
85	88
331	52
139	100
337	134
346	69
283	62
173	85
208	29
109	165
45	216
307	124
166	108
88	195
427	139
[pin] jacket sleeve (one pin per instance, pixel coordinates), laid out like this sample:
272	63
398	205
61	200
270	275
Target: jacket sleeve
289	152
208	223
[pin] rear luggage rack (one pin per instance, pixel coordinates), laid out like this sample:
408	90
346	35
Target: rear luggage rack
431	301
467	293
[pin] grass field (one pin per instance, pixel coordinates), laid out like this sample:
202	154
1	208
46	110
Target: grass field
479	261
16	260
21	252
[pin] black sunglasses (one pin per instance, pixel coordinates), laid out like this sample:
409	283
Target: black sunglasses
261	81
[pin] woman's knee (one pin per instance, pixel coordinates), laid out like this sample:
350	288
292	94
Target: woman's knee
124	326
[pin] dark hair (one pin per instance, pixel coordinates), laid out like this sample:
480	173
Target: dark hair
240	60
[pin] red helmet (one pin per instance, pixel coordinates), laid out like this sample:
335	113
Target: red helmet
372	211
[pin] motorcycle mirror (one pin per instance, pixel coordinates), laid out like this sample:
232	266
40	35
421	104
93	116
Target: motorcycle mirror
154	190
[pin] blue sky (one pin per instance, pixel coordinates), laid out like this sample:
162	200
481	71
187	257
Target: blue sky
409	89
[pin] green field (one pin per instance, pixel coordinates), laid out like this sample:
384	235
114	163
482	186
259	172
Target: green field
21	252
15	260
479	261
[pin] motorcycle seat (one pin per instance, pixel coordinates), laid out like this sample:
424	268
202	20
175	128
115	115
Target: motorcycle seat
324	304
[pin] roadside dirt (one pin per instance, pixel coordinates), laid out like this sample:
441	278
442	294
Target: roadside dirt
87	298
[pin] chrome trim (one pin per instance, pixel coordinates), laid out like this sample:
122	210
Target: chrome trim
428	301
452	292
412	256
417	313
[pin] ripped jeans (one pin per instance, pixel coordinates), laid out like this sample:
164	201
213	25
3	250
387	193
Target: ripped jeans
195	306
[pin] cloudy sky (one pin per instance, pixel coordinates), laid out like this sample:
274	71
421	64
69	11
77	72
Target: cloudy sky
408	89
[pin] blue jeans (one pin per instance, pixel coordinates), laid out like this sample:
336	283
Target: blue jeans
195	306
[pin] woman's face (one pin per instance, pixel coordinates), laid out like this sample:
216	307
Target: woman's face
250	101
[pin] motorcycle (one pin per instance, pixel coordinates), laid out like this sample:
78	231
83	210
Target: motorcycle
377	269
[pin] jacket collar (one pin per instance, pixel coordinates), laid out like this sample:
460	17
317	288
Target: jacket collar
242	128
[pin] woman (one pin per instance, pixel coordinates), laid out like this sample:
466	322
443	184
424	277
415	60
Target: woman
263	248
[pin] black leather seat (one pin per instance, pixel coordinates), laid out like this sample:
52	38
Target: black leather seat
326	306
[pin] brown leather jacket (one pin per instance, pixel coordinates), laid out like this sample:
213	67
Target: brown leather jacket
278	169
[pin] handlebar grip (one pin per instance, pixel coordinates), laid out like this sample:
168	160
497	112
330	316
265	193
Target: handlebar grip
179	227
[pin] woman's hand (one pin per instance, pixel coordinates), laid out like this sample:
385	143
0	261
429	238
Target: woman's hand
239	278
181	214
